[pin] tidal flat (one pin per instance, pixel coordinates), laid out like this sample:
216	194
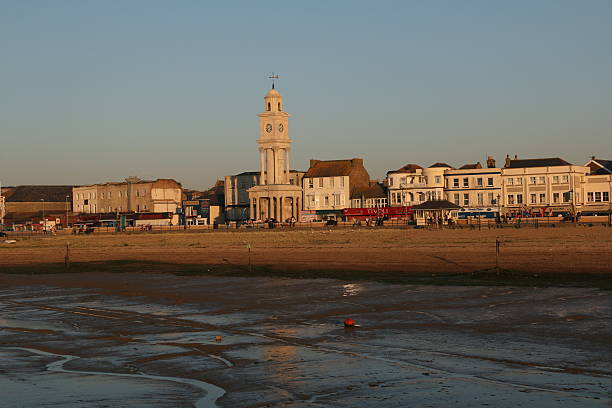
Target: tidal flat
143	340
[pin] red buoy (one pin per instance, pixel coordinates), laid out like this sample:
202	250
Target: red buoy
348	322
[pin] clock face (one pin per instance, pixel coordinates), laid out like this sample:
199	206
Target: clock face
269	127
281	127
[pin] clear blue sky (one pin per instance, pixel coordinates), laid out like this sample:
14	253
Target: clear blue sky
94	91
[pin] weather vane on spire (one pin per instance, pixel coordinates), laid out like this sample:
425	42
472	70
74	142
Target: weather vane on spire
273	77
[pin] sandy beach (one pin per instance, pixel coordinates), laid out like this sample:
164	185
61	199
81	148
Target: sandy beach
394	255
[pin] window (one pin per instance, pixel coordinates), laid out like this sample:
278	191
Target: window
598	196
542	197
321	182
466	182
490	181
411	195
555	179
567	197
510	199
490	199
606	196
456	199
310	199
438	179
510	181
102	195
456	182
326	201
291	181
279	107
532	180
566	179
390	181
466	199
479	181
555	197
421	197
270	107
336	199
86	202
342	182
480	198
533	198
310	183
110	194
519	199
542	179
519	181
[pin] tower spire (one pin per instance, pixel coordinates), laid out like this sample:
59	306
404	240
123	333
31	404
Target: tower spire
273	77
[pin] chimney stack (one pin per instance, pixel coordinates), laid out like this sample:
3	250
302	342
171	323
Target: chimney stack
490	162
508	160
313	162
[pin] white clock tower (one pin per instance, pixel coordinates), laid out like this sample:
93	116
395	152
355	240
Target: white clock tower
275	197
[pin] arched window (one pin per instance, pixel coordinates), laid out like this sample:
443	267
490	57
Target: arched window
279	107
269	107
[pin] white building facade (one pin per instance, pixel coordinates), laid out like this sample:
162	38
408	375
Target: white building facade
474	187
548	186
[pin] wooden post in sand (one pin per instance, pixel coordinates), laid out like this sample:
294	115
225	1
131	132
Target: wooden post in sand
250	266
497	246
67	257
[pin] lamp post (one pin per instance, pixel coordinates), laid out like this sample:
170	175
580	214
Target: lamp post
43	215
67	212
499	207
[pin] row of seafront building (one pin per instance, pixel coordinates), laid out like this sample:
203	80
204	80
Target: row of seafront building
545	186
537	187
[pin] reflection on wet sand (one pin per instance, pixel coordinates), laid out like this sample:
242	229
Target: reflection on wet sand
418	345
212	392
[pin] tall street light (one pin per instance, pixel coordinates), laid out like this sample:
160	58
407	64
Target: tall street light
67	211
43	215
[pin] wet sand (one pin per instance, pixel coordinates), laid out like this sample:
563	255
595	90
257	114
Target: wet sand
283	344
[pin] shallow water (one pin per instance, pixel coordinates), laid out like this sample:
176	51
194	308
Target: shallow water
282	343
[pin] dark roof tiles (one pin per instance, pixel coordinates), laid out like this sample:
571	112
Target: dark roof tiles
376	190
330	168
547	162
409	168
38	193
471	166
441	165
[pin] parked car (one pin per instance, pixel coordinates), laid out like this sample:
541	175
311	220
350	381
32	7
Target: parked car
3	234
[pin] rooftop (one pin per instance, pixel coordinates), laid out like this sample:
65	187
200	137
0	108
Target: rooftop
601	166
471	166
547	162
376	190
441	165
332	168
38	193
409	168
